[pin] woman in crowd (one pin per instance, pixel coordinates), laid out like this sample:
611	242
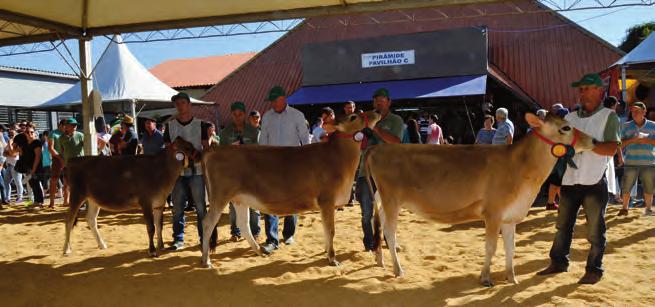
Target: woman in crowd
30	162
413	132
486	134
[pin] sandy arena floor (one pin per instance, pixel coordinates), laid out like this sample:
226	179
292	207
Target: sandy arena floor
441	263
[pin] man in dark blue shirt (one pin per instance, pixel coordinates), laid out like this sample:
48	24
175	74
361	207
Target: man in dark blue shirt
152	139
129	141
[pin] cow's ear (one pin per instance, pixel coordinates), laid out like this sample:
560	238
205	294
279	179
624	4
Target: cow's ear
533	120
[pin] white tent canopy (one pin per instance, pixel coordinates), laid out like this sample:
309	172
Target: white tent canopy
643	53
121	79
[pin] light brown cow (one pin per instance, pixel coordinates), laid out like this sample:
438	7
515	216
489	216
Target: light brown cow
284	180
121	183
458	184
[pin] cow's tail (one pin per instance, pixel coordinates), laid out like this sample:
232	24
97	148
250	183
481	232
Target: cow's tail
377	226
213	240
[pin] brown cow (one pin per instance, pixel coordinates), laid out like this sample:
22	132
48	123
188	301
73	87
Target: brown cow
493	183
121	183
285	180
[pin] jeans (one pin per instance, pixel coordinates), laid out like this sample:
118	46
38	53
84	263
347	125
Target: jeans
191	189
366	202
254	222
18	182
594	200
270	226
35	183
3	189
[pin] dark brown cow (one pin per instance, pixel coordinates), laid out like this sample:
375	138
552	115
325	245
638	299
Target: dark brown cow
121	183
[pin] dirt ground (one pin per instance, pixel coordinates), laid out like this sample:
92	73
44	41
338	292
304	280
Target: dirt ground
441	262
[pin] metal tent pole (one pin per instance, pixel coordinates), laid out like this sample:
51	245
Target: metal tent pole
624	90
90	144
133	114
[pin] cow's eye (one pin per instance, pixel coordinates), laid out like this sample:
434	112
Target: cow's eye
353	117
566	128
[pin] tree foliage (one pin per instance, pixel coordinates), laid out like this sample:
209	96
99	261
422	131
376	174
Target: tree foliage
636	34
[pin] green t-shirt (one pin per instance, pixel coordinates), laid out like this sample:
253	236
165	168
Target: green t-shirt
54	138
72	146
229	135
392	124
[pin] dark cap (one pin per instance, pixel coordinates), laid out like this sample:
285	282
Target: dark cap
327	110
381	92
255	113
181	95
638	104
275	92
238	105
589	79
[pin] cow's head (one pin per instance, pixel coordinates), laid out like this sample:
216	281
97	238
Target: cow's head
184	151
555	130
353	123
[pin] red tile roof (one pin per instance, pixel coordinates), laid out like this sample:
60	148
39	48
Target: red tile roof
539	52
205	71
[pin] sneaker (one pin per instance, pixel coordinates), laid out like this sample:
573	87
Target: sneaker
649	212
235	238
176	246
590	278
289	241
268	248
18	200
552	269
623	212
553	206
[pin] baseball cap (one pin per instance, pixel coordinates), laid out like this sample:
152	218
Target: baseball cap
589	79
238	105
275	92
381	92
181	95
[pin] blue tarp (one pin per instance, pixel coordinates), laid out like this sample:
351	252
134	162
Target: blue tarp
401	89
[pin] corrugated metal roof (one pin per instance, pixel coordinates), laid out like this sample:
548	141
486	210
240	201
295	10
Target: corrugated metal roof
204	71
540	52
39	72
25	88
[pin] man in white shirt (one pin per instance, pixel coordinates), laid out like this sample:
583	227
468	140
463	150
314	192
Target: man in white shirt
282	125
586	185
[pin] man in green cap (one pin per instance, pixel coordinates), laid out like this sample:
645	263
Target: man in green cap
72	145
639	160
57	161
586	185
282	125
388	130
238	132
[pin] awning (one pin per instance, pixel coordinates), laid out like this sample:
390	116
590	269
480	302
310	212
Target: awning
401	89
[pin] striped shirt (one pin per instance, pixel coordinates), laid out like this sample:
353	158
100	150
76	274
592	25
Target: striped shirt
639	154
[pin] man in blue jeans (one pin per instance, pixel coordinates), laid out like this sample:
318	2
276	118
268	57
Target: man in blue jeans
190	186
388	130
282	125
586	185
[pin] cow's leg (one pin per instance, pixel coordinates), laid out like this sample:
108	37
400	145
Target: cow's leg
75	204
208	224
492	228
243	222
92	212
390	218
327	215
150	225
508	231
158	213
379	256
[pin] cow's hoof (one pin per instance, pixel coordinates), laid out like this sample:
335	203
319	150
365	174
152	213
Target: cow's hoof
153	254
512	280
102	246
208	265
334	262
487	283
399	274
67	252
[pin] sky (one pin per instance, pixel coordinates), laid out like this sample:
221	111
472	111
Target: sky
609	24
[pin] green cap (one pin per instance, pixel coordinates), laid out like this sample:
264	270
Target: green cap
638	104
181	95
275	92
381	92
71	121
238	105
589	79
